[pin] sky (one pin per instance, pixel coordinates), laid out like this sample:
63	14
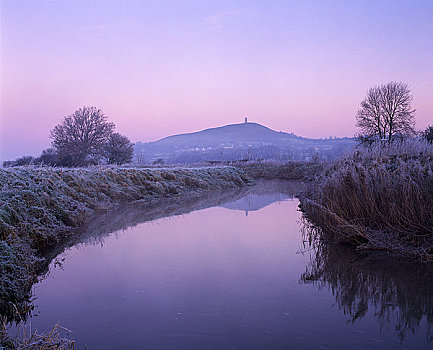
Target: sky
164	67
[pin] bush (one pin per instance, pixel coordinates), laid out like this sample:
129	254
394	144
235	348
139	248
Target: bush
22	161
158	161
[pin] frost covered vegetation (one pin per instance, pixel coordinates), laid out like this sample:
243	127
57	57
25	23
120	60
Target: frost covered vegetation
32	340
378	198
42	206
294	170
17	277
259	169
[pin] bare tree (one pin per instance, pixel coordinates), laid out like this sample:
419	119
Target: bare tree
387	111
81	137
118	149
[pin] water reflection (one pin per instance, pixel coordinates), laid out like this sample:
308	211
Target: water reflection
217	279
211	279
399	291
263	193
132	214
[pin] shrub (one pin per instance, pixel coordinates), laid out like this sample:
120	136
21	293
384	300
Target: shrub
22	161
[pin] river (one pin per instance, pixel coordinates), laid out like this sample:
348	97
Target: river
229	271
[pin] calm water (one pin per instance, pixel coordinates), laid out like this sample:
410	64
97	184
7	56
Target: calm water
229	277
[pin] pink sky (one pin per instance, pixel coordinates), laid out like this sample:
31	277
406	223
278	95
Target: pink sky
163	67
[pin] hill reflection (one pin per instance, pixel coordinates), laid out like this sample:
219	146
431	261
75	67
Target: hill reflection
400	292
263	193
129	215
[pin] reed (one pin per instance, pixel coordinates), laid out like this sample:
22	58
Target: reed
27	339
380	197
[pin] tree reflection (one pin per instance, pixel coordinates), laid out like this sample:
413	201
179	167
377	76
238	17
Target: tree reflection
398	290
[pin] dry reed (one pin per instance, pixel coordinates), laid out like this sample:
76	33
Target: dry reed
380	197
25	338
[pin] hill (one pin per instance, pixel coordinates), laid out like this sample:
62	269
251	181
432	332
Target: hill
239	141
245	132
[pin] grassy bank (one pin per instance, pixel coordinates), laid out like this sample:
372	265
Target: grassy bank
270	170
41	206
263	169
380	197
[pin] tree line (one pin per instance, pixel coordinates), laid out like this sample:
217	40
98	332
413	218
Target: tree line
83	138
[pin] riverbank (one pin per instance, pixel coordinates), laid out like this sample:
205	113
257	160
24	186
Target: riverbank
40	207
294	170
379	198
263	169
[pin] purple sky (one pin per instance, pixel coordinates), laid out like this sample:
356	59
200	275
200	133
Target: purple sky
162	67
